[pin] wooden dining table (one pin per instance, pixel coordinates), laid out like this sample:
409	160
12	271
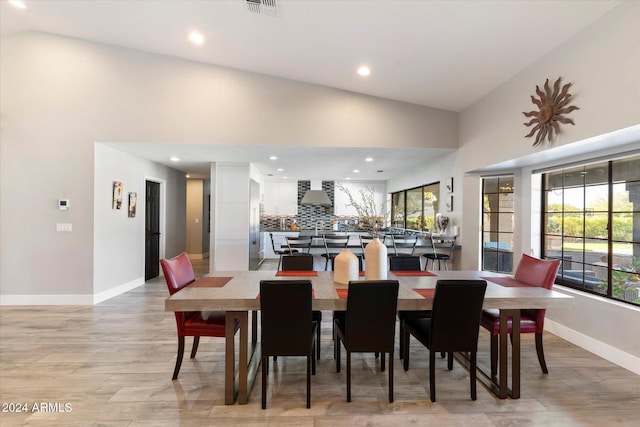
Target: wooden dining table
236	293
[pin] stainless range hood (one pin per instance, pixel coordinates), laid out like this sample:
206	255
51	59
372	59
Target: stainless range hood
315	196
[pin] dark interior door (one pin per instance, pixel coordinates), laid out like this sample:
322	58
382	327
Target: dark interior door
152	234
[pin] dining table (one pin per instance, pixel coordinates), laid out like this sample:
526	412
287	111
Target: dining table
237	294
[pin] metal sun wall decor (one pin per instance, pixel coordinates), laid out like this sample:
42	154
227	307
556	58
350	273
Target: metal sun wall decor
551	107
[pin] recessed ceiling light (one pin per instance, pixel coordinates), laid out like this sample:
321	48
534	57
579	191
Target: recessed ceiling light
196	37
279	169
273	157
285	177
364	71
348	178
369	159
356	171
174	159
18	3
187	176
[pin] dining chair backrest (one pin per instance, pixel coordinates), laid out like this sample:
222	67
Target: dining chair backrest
301	243
334	242
455	316
285	316
537	272
404	263
404	243
302	262
178	272
371	315
444	245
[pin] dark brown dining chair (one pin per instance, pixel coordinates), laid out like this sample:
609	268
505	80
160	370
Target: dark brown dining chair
333	245
178	273
287	328
283	250
369	324
535	272
453	326
304	262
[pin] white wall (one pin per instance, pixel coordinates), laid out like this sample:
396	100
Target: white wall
603	63
61	95
119	241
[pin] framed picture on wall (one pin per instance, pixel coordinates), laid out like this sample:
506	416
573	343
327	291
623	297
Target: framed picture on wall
449	203
449	184
133	200
116	197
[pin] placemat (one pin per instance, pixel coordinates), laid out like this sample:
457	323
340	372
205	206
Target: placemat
426	293
412	273
342	293
507	282
297	273
210	282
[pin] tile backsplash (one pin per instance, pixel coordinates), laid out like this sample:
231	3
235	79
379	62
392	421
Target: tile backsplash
309	216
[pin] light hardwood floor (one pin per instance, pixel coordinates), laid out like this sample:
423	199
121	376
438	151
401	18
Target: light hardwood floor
112	363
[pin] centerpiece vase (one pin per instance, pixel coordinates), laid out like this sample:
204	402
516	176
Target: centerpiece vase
375	260
345	267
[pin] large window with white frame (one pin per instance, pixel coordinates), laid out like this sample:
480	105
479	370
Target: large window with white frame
591	221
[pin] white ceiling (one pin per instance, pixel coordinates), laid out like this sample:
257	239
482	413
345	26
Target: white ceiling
441	54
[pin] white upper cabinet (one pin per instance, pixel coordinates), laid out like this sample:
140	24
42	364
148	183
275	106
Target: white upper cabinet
281	198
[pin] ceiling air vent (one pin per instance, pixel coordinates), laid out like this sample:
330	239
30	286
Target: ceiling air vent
263	7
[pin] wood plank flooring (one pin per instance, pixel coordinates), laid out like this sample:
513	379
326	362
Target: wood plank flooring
111	364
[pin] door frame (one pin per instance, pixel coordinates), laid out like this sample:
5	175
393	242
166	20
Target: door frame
163	210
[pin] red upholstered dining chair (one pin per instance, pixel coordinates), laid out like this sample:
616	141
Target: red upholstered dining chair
178	273
535	272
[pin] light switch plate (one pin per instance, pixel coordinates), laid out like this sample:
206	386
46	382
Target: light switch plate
63	227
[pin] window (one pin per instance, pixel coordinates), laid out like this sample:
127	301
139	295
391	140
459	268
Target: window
497	224
592	223
416	208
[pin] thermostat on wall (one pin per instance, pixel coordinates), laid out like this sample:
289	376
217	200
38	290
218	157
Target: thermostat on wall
63	204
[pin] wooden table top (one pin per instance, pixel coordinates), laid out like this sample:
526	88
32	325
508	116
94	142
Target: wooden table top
241	291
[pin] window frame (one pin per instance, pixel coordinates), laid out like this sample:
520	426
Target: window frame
617	287
404	195
503	256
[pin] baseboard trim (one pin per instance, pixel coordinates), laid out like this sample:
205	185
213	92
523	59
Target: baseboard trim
70	299
118	290
606	351
46	299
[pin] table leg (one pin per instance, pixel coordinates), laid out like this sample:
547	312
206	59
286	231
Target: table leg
515	355
503	354
229	358
243	395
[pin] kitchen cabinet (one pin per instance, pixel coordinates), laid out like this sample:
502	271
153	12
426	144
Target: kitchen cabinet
281	198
